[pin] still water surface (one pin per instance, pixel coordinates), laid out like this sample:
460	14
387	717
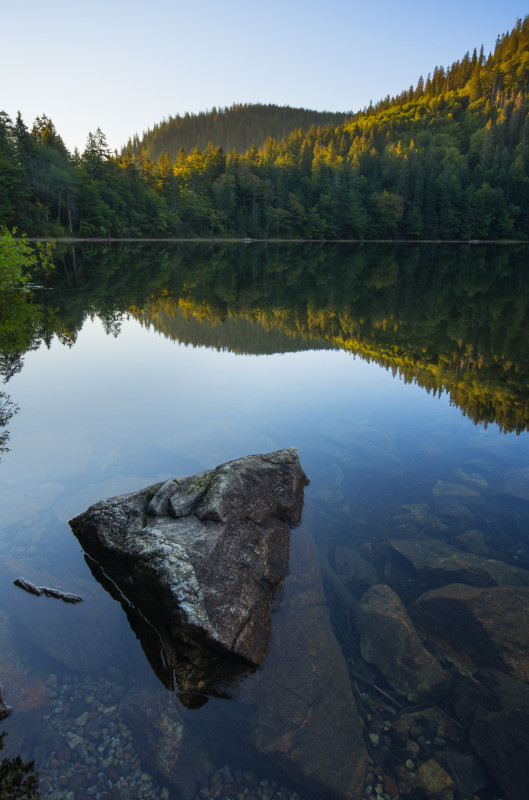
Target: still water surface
163	379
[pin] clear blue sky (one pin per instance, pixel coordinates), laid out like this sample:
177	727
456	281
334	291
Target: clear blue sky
124	66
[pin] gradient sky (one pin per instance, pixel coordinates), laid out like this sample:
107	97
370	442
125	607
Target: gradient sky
124	66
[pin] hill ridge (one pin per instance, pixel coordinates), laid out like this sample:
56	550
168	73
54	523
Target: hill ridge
238	127
448	159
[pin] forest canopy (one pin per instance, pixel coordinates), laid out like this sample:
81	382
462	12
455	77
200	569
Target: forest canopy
238	127
445	159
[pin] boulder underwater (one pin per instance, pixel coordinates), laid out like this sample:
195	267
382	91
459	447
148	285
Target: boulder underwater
197	561
389	640
299	709
199	564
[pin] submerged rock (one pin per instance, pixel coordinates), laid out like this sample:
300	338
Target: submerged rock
473	541
445	489
166	740
478	627
500	731
438	563
437	784
230	551
419	515
354	570
516	483
22	691
389	640
299	709
466	769
201	557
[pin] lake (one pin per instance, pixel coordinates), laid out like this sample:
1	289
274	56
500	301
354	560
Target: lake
401	375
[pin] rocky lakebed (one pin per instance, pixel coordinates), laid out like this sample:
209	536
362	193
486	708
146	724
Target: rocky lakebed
414	686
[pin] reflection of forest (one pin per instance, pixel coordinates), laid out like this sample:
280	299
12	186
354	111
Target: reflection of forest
449	317
188	324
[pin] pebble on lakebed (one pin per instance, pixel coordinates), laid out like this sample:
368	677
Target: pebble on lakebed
86	752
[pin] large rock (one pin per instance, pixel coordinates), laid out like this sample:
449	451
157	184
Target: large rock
500	731
299	709
354	570
202	556
434	781
195	672
295	715
167	740
438	563
389	640
473	541
516	483
478	627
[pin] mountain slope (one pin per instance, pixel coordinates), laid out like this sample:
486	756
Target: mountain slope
447	159
238	127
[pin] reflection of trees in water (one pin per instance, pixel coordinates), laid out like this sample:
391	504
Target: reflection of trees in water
17	779
7	410
20	317
10	364
451	318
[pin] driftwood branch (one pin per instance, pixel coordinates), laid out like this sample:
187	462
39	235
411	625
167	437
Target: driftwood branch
66	597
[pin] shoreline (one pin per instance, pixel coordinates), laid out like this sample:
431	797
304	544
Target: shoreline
237	240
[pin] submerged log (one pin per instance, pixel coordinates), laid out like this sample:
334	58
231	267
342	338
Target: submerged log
29	587
66	597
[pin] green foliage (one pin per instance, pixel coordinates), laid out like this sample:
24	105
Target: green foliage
447	159
238	127
17	259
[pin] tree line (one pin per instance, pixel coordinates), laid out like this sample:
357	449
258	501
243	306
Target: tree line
446	159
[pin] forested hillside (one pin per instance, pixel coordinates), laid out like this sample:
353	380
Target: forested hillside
448	158
234	128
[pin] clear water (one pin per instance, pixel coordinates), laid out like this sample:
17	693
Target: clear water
115	413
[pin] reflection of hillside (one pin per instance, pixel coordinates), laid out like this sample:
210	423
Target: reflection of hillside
452	318
486	389
239	335
485	392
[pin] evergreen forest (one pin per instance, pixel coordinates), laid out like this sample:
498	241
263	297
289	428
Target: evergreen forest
445	159
235	128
